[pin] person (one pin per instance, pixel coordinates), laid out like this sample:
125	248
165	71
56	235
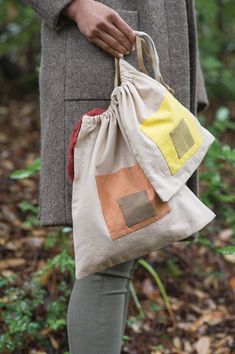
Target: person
79	40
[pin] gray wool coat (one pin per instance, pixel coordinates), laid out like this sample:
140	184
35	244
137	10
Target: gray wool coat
76	76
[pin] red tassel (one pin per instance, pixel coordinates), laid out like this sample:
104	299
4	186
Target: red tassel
73	139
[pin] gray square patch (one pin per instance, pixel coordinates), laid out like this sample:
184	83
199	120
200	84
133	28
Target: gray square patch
136	207
181	138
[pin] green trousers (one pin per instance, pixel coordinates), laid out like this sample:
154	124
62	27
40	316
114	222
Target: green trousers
97	310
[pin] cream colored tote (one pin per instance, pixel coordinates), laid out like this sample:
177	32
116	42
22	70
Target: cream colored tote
129	164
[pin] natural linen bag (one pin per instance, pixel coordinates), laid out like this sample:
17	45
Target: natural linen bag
117	212
173	142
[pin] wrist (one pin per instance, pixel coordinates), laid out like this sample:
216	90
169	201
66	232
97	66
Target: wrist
71	9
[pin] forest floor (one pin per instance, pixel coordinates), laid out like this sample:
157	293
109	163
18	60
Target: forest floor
199	282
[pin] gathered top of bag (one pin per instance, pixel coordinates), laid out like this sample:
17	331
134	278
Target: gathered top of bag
73	140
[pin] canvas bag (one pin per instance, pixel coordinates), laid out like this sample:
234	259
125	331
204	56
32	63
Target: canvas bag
173	142
117	213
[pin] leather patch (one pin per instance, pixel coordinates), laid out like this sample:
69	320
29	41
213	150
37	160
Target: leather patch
136	207
181	138
128	201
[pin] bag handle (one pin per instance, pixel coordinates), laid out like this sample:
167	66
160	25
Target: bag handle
144	43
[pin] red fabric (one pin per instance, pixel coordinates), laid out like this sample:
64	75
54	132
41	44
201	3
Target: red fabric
73	139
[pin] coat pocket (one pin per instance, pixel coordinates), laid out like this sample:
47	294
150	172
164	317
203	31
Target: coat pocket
90	70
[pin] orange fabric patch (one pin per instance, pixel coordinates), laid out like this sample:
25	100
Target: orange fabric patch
123	183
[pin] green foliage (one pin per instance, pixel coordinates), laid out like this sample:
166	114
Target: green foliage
30	210
31	214
19	44
216	177
227	250
223	121
29	310
216	32
63	262
172	268
27	206
20	27
157	279
136	300
29	171
19	314
126	338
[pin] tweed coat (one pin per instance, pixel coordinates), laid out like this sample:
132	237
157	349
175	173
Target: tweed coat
76	76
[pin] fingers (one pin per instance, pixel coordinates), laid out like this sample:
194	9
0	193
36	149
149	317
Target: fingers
127	31
115	39
102	44
104	27
115	35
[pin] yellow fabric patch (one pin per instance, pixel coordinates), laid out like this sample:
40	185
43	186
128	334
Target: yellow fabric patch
167	126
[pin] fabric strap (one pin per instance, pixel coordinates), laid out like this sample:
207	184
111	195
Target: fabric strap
144	43
140	46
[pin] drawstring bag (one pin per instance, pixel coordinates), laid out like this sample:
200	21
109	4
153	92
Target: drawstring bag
128	164
173	142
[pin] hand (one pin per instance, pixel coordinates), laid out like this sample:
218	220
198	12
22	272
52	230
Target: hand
102	26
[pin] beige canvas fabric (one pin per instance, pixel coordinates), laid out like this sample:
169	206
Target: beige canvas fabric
117	207
159	127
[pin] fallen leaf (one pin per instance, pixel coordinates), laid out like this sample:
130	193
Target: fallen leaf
213	318
202	346
226	234
188	347
231	283
54	342
229	258
177	343
11	263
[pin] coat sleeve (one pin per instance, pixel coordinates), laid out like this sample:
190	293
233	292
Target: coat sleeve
201	94
50	11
